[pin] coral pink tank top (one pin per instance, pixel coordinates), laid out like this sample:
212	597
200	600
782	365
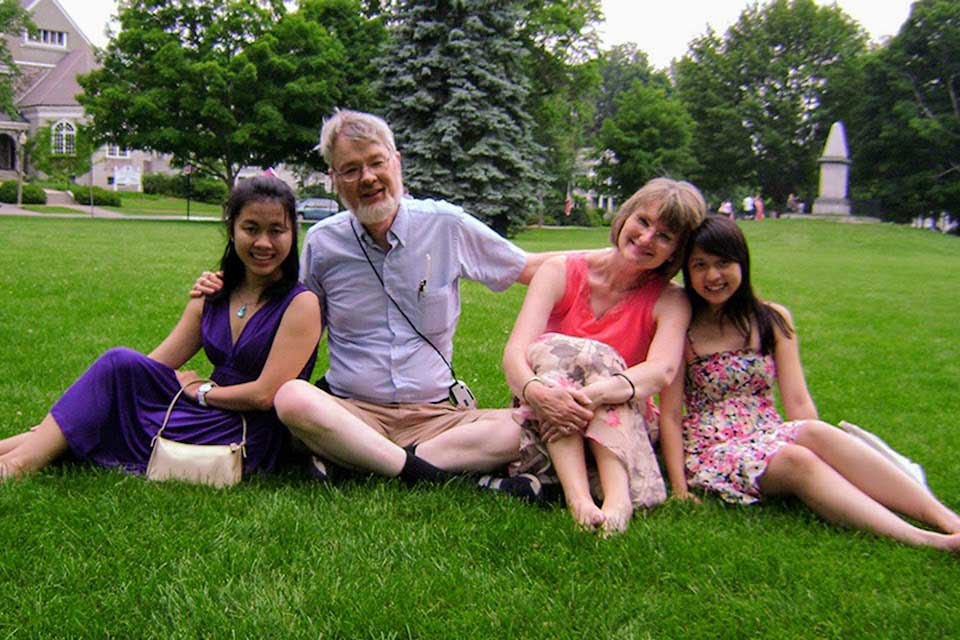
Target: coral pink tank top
627	326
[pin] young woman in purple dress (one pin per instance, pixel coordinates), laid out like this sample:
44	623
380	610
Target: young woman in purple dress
260	331
733	441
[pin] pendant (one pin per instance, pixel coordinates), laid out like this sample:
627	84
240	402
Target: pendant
242	311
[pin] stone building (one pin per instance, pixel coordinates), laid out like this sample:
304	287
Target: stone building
45	94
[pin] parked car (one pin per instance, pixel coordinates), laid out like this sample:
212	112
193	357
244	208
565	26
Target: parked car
317	208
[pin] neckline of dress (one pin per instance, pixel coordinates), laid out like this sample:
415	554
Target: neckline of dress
726	352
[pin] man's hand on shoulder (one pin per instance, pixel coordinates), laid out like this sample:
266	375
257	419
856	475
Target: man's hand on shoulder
207	284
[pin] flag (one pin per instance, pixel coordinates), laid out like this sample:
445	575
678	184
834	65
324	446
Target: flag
568	204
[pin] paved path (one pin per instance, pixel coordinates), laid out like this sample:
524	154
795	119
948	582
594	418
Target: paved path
83	211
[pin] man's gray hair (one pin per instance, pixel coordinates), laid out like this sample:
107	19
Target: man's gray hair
355	125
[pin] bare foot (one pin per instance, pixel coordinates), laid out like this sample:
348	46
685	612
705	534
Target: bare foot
7	472
9	444
950	523
944	542
586	513
616	517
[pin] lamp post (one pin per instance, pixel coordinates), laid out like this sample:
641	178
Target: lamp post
188	171
21	141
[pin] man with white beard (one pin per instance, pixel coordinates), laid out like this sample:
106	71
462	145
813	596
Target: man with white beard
387	272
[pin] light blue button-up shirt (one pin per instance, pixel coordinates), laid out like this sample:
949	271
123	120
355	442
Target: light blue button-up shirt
374	353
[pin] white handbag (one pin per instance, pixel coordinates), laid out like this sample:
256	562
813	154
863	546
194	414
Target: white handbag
218	465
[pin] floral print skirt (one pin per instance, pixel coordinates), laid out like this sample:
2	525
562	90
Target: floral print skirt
627	429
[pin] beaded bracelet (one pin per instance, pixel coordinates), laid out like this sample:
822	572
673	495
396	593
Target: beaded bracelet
633	389
523	389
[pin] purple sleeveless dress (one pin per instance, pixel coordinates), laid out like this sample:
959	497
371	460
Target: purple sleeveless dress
110	415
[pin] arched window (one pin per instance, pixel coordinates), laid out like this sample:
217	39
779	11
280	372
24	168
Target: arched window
64	138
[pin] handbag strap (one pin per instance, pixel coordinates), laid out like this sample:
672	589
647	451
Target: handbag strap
166	417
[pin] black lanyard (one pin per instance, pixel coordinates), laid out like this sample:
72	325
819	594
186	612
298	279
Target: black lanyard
390	298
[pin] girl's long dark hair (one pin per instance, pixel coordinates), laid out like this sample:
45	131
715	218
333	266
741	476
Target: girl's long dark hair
721	237
259	189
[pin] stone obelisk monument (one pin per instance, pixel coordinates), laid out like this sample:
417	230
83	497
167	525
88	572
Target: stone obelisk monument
834	174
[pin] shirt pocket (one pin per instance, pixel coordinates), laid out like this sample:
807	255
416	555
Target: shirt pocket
437	310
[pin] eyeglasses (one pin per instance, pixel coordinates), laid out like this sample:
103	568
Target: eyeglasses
353	174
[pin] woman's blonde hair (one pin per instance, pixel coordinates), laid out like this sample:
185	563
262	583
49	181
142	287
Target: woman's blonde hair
681	209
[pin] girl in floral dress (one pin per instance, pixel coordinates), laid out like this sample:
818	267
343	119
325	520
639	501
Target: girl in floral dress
732	440
598	334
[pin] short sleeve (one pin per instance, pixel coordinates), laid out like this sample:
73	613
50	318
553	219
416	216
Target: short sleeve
487	257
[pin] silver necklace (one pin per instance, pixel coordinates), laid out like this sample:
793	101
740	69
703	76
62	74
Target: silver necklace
242	309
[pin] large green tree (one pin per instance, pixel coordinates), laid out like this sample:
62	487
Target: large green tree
227	84
763	95
620	66
649	135
454	73
14	20
906	136
561	39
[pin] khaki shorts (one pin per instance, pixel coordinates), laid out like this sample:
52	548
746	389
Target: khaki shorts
406	424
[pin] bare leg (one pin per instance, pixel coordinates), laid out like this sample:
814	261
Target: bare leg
876	476
38	448
490	442
799	471
567	455
617	506
330	430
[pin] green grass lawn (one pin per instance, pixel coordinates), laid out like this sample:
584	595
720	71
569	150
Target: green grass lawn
43	208
157	205
96	553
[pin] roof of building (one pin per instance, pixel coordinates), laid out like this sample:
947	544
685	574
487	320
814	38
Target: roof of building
59	86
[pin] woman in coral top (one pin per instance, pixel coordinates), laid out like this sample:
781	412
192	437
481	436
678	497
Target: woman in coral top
598	334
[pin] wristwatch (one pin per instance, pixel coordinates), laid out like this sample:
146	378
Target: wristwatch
202	392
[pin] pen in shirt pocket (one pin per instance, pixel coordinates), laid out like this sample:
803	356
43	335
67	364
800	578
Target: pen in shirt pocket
426	279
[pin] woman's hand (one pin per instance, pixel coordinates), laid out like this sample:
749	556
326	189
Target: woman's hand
207	284
611	390
561	411
684	495
188	380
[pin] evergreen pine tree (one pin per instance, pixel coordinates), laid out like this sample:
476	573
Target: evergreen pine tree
456	93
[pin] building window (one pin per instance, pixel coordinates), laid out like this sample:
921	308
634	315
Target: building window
116	151
48	37
64	139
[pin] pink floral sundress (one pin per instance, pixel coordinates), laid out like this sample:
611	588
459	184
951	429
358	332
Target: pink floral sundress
732	428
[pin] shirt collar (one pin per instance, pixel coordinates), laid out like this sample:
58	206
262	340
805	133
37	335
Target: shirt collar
398	232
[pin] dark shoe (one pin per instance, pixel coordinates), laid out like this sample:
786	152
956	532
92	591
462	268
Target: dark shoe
525	486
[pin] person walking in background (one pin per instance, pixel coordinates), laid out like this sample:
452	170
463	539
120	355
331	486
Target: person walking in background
758	207
747	206
726	209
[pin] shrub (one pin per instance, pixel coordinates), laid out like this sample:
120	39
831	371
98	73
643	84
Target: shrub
31	194
101	197
208	190
157	183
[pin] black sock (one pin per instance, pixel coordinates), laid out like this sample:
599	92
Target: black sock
416	469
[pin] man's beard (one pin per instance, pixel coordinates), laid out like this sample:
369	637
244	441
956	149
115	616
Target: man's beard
374	213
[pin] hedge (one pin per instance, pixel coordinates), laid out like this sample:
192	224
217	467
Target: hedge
32	194
206	190
101	197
